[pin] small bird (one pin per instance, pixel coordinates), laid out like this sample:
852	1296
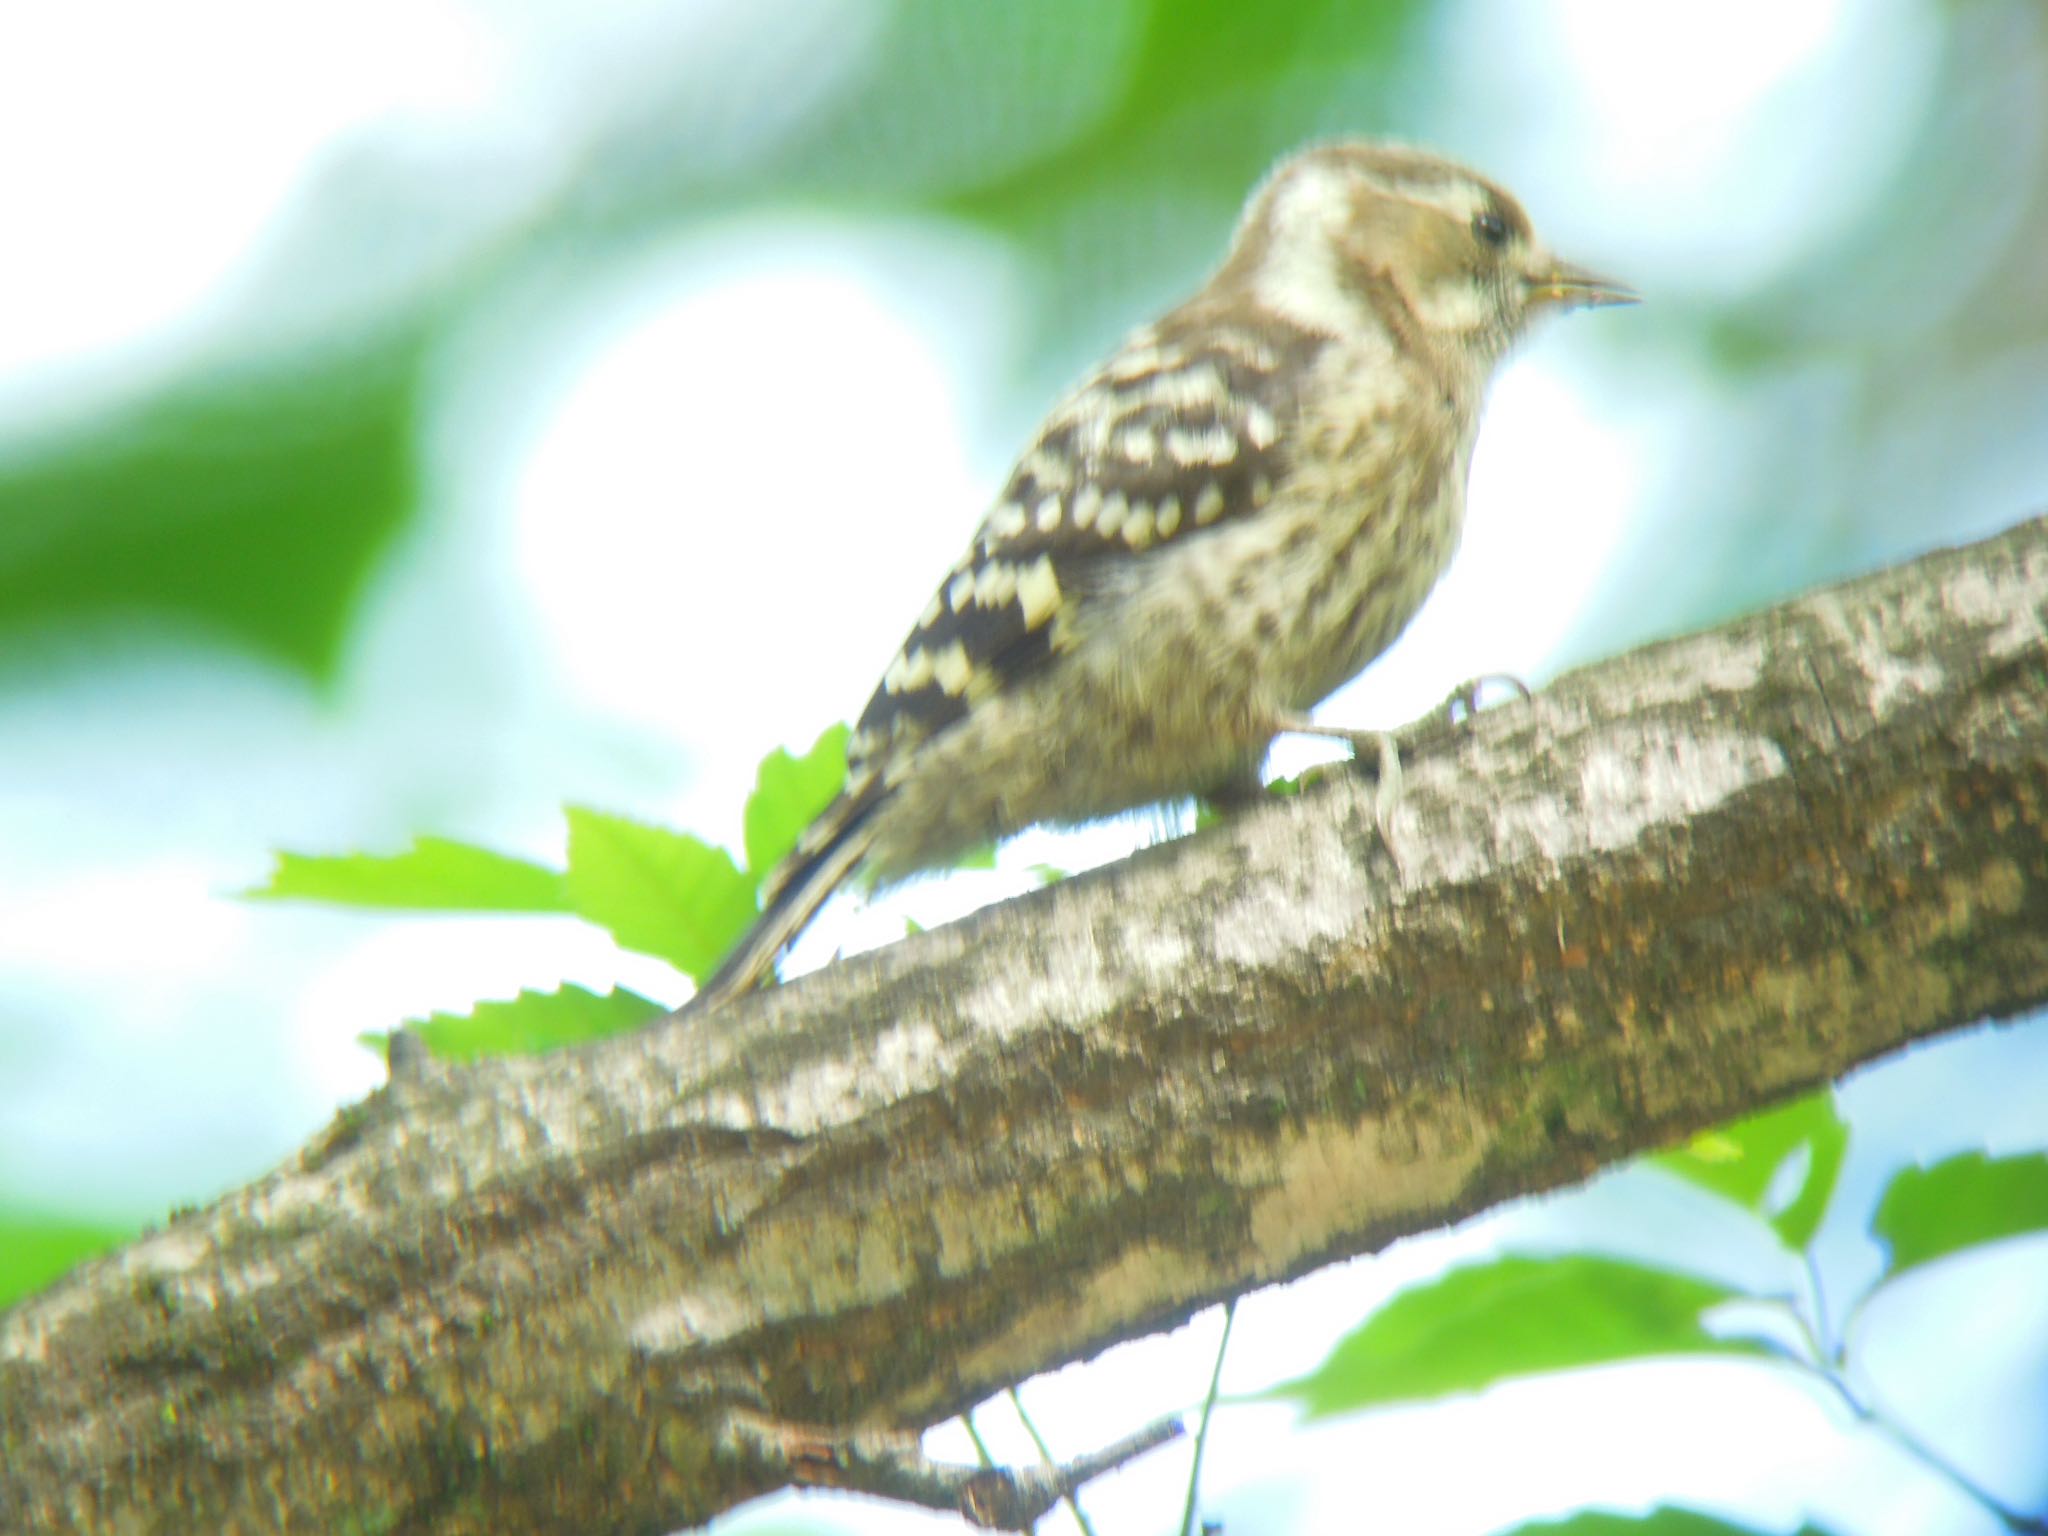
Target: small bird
1224	522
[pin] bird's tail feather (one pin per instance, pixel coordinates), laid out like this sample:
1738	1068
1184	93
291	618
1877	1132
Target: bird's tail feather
839	839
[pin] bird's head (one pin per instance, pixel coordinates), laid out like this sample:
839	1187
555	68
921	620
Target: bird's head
1352	236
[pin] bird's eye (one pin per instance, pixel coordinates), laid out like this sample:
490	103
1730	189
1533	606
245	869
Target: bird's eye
1490	228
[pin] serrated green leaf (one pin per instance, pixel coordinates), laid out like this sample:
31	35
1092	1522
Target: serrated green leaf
1666	1521
1742	1162
659	892
534	1022
36	1249
789	792
1513	1316
1961	1202
433	875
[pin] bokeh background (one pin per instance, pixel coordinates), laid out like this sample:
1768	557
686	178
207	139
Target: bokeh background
416	414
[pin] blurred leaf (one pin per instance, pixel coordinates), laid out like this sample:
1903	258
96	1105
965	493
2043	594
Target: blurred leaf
1961	1202
253	505
1048	874
789	792
434	874
1742	1162
982	857
531	1023
661	893
958	94
1216	90
1656	1522
36	1249
1748	339
1197	50
1513	1316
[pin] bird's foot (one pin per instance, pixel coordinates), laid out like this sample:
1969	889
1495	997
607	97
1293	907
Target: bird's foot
1387	758
1463	701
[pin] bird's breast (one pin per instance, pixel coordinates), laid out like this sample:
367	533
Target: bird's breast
1389	536
1375	506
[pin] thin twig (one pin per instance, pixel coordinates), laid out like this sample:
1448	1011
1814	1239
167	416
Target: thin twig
2012	1519
1830	1347
1045	1455
980	1445
890	1464
1187	1519
1866	1412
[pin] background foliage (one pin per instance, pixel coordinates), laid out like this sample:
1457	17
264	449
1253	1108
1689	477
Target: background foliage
310	557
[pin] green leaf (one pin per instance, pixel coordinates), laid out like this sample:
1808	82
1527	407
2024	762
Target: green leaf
434	874
789	792
661	893
531	1023
35	1249
1657	1522
1512	1316
1208	814
253	504
1741	1162
1961	1202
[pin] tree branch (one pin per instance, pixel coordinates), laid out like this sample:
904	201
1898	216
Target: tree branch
541	1295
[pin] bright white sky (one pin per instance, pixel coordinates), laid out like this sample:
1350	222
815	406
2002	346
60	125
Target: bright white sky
662	474
144	148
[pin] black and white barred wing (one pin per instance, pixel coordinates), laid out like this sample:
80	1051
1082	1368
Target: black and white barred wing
1179	432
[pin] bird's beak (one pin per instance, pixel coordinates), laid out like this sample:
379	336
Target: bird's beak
1562	285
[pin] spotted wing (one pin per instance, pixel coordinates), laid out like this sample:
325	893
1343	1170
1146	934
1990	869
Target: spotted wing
1181	430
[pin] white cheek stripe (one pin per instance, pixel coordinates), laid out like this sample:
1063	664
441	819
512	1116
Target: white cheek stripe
1459	308
1298	277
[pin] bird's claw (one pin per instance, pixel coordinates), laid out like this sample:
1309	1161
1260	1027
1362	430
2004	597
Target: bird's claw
1462	703
1387	757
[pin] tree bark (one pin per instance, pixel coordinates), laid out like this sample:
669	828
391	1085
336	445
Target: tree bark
564	1294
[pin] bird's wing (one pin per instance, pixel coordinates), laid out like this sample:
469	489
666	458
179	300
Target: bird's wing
1179	431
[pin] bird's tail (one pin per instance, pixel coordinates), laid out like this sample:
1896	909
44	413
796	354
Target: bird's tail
830	849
